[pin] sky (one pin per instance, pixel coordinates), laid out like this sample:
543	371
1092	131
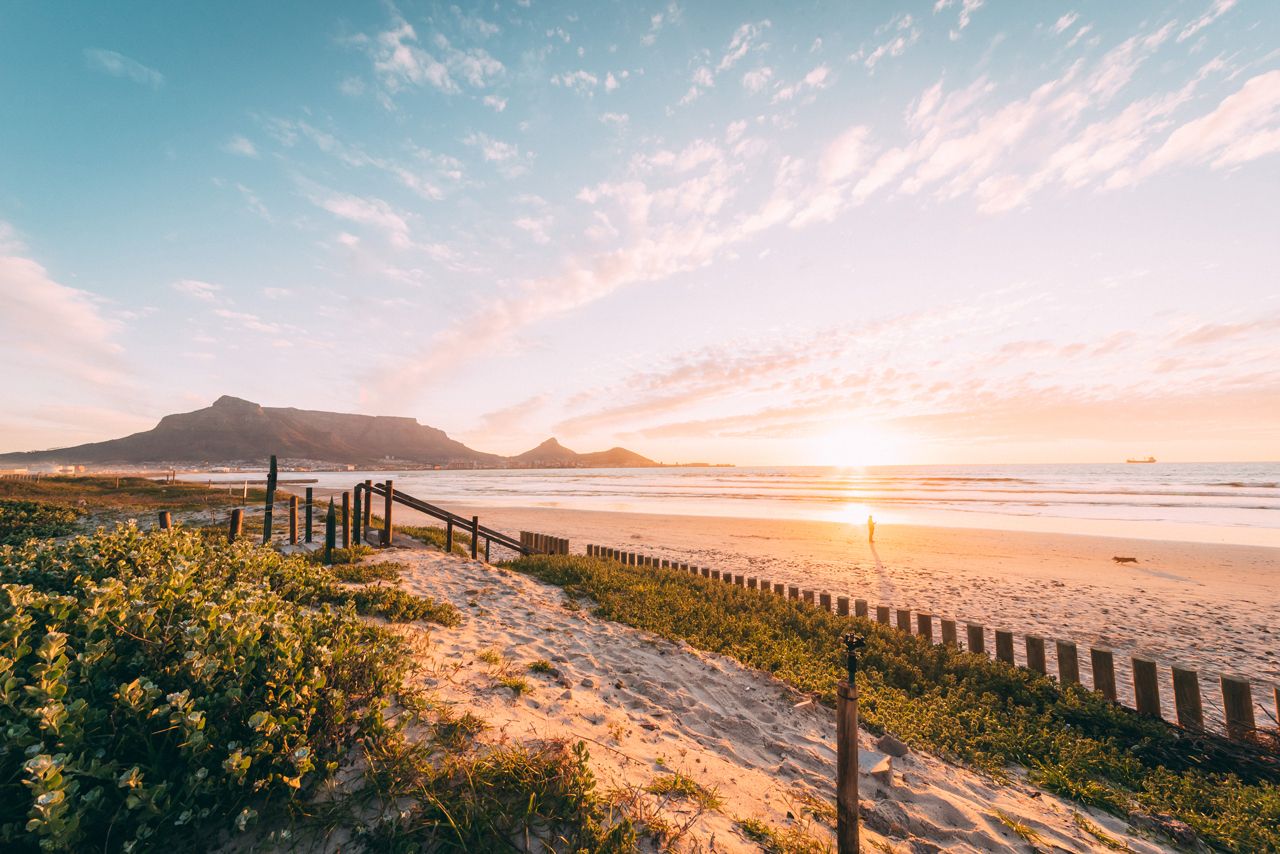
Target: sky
805	233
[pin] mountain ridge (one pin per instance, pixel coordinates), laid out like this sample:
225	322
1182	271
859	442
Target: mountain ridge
232	429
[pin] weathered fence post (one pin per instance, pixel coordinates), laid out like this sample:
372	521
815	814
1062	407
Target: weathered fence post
1004	646
307	511
271	500
1104	672
293	520
330	533
824	601
793	591
357	532
166	520
779	588
487	543
368	503
842	606
1237	707
847	751
924	626
904	620
387	515
346	520
1068	663
237	525
448	538
808	597
949	633
1146	688
860	608
977	638
1035	654
1186	698
475	536
882	614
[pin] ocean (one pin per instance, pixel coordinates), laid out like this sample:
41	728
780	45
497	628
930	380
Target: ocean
1201	502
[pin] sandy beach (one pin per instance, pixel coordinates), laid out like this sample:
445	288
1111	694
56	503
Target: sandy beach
647	707
1210	607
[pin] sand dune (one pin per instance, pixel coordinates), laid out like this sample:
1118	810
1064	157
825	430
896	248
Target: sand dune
647	707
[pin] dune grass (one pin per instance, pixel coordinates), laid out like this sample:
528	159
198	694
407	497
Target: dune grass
436	536
96	494
22	520
963	706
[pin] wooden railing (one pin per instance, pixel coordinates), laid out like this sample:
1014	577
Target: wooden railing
365	493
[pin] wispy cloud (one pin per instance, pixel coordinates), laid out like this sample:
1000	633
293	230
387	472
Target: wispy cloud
196	289
119	65
1216	11
240	145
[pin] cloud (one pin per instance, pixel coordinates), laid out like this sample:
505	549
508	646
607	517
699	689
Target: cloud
618	120
1216	11
967	8
52	330
1065	22
510	160
498	104
754	81
670	15
582	82
251	322
241	146
818	78
905	34
536	226
119	65
400	61
373	212
196	289
745	39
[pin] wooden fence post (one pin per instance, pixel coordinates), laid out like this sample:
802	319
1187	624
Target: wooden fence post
368	502
386	515
1004	646
904	620
1146	688
448	538
307	511
753	583
924	626
824	601
1035	654
346	520
357	534
293	520
237	525
882	614
779	589
1104	672
847	768
269	509
860	608
842	606
808	597
166	520
1237	706
1068	663
475	536
793	591
949	633
330	533
1186	698
487	543
976	636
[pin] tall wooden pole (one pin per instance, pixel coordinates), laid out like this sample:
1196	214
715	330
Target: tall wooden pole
310	502
346	520
356	525
475	535
330	533
847	752
386	517
271	500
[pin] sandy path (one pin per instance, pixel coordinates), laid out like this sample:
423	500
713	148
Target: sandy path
647	706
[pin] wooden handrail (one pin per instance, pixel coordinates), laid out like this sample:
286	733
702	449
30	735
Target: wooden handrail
446	516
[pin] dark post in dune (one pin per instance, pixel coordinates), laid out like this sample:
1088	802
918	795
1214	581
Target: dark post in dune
271	499
386	516
1035	654
166	520
330	533
1186	698
448	536
356	525
1068	663
1237	707
307	508
475	535
924	626
976	636
847	750
368	502
293	520
1104	672
949	633
237	525
1146	688
346	520
904	620
1004	646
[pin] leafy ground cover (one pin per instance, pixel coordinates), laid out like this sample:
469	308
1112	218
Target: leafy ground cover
95	494
166	689
436	536
964	706
21	520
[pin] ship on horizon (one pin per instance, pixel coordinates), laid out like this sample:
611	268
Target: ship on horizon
1147	460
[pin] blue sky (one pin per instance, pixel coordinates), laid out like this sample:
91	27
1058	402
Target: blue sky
821	232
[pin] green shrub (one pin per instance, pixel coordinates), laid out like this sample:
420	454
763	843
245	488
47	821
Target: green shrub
155	689
958	704
23	520
436	536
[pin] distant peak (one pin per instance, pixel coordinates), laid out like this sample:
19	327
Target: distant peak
550	444
227	401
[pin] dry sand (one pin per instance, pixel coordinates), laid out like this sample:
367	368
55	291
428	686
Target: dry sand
1215	608
646	707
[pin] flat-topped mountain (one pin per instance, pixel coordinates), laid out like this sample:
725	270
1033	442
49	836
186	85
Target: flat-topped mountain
235	430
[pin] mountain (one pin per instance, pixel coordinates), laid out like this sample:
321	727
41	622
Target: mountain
238	431
551	454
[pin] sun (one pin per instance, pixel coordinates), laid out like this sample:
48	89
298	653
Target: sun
854	447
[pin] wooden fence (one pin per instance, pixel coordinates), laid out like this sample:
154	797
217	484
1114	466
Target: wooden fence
1238	720
544	544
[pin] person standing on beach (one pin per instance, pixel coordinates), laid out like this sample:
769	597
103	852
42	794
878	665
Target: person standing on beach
871	530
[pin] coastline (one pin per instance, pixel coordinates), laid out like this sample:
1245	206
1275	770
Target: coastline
1060	586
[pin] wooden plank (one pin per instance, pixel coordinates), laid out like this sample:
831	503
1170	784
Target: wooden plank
949	633
1004	646
1104	672
924	626
1237	707
975	637
1035	654
1186	698
1146	687
1068	663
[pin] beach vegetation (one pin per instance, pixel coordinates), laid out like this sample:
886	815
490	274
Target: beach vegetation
789	840
677	785
962	706
1027	833
543	667
1105	839
517	685
364	573
22	520
436	536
